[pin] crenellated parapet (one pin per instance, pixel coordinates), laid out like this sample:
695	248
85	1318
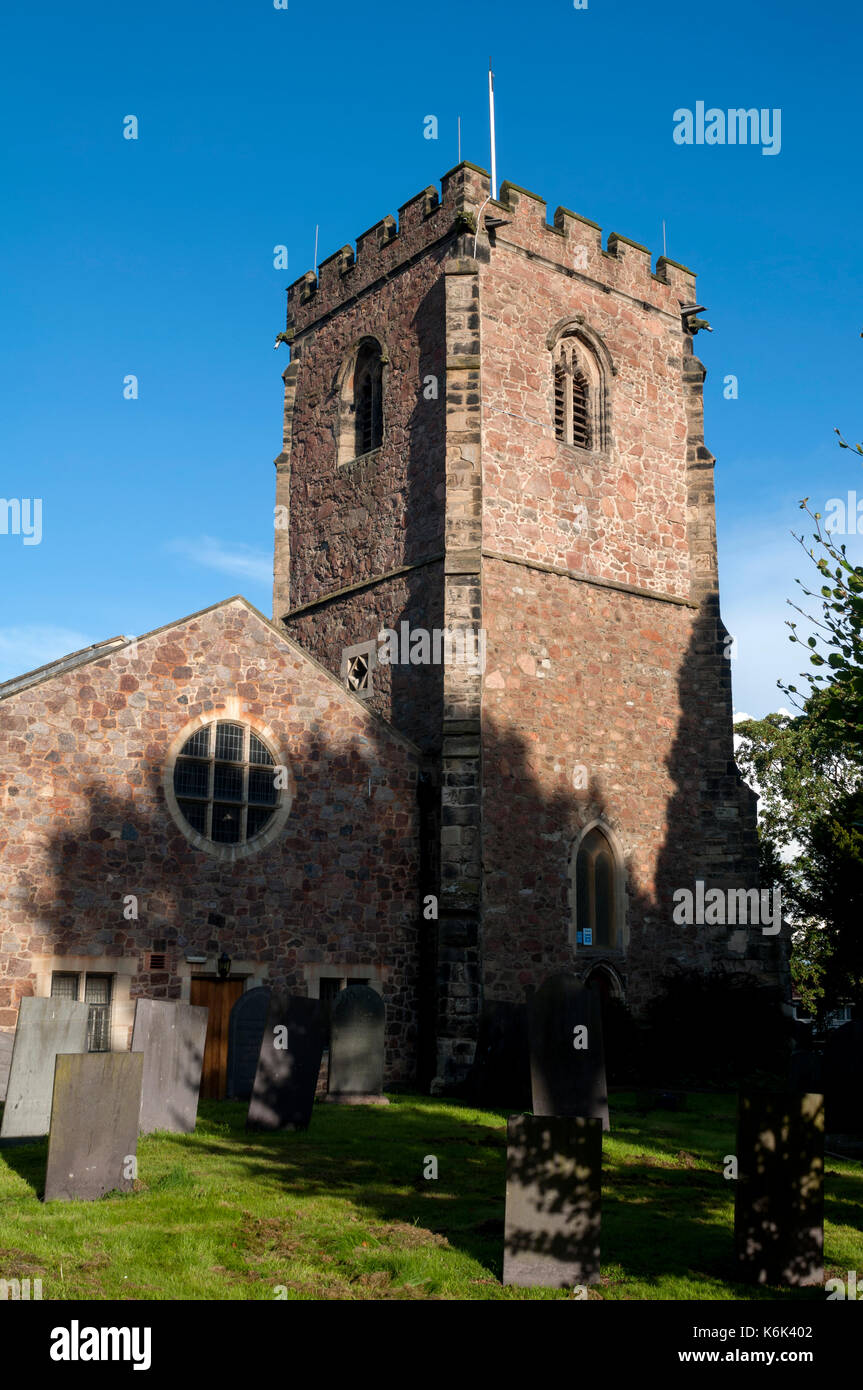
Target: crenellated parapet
424	220
520	218
516	218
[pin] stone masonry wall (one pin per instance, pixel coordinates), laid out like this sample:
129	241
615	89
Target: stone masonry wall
85	822
626	676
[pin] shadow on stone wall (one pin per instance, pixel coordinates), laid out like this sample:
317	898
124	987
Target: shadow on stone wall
708	833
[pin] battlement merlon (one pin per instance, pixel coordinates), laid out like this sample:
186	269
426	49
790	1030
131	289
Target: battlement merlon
570	241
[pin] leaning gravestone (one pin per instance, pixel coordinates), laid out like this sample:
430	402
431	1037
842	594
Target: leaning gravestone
553	1201
843	1083
171	1036
94	1125
288	1064
779	1197
500	1075
356	1074
567	1066
45	1027
245	1034
5	1061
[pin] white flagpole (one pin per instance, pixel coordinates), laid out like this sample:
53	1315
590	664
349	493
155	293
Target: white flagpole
491	123
316	248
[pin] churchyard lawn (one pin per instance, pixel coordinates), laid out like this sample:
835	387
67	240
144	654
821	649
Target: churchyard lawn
344	1211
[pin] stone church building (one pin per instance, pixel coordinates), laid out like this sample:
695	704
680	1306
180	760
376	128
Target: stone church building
486	734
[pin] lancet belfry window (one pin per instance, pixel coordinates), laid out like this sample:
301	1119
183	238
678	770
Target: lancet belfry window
576	408
368	402
225	783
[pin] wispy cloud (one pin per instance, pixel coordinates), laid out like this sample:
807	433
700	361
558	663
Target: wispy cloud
242	560
24	648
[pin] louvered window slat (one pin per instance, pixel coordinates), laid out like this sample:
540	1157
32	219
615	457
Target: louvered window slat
580	411
560	400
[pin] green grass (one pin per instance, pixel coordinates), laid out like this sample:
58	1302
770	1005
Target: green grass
343	1211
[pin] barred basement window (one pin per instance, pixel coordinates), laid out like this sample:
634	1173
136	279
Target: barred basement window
225	783
98	993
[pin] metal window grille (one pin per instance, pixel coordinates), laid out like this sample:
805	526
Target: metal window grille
64	986
225	784
257	751
229	742
97	993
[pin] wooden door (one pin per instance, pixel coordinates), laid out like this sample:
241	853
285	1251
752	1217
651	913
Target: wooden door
219	996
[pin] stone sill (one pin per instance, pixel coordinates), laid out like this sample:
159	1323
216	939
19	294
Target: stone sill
362	460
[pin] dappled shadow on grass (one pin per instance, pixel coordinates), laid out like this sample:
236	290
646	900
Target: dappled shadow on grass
375	1159
343	1210
667	1208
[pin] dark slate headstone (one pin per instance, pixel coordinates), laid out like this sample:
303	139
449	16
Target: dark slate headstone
843	1079
553	1201
500	1076
779	1197
171	1036
245	1033
288	1064
567	1066
356	1074
806	1071
94	1125
45	1027
5	1062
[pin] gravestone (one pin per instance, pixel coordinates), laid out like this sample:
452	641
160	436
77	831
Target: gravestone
779	1197
94	1125
5	1062
843	1079
171	1036
500	1075
245	1033
806	1072
45	1027
356	1073
567	1066
553	1201
288	1064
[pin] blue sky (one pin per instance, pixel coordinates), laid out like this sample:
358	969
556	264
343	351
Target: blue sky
154	257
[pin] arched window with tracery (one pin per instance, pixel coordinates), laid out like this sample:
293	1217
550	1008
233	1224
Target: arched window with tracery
597	908
579	394
361	410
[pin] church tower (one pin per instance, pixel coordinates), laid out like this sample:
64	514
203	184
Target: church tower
493	433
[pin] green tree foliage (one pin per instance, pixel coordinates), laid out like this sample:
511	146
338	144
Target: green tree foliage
811	792
836	646
809	771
